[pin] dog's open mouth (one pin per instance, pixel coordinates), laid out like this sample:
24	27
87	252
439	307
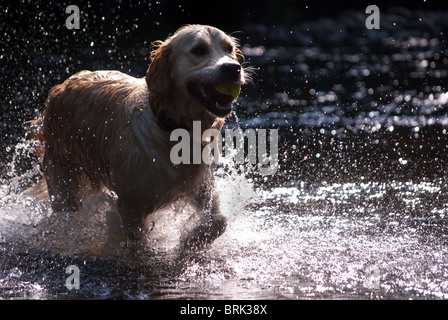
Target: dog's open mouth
218	103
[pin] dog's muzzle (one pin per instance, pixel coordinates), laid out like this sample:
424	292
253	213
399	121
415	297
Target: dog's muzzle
218	103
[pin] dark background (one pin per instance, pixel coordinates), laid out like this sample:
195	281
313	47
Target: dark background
156	18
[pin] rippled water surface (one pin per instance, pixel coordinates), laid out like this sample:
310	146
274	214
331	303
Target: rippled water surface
358	208
335	240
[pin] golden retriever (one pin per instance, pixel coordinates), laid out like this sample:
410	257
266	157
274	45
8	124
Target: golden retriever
115	130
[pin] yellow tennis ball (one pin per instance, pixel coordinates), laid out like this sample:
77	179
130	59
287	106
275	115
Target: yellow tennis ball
230	88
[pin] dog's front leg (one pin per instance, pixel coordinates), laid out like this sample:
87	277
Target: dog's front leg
213	222
133	218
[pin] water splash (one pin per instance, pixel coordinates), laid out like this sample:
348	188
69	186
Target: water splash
27	221
301	240
309	235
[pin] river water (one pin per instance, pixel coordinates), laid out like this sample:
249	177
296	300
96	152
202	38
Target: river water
357	210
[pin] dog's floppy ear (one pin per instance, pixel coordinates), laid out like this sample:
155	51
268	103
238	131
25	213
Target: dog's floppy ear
158	76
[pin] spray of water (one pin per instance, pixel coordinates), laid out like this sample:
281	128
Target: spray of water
27	221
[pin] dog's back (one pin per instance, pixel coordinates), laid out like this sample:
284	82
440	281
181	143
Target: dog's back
84	115
100	124
85	127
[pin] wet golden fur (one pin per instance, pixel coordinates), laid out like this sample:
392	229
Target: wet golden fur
100	125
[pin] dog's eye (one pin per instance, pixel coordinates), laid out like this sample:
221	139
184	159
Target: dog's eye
229	49
199	51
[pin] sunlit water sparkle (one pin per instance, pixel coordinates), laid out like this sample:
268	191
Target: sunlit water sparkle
357	209
305	240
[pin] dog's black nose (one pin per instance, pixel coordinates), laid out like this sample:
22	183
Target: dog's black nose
231	71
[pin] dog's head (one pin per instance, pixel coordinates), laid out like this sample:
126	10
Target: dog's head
187	67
